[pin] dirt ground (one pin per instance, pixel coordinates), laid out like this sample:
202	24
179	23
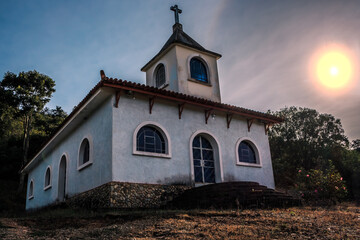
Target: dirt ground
339	222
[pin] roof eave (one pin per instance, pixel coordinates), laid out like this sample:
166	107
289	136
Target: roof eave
266	118
82	105
163	52
156	58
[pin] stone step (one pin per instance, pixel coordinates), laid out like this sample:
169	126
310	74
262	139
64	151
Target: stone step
232	194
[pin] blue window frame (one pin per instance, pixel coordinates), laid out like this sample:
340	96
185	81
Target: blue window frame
198	70
84	151
149	139
31	189
160	75
246	153
47	177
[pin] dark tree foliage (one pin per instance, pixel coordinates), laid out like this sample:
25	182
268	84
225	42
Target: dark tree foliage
355	145
44	124
24	122
310	140
10	139
347	162
49	119
27	93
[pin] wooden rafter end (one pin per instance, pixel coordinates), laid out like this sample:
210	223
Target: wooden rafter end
117	98
228	119
151	104
181	109
249	123
207	115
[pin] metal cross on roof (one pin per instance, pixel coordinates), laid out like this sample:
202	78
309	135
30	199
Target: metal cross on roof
177	11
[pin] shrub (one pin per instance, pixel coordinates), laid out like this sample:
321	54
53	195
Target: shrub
318	185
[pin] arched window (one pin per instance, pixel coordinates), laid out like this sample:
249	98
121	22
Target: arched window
204	164
149	139
84	154
31	189
198	70
247	153
62	178
47	178
160	75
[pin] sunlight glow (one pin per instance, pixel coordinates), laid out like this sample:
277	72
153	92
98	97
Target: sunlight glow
332	68
334	71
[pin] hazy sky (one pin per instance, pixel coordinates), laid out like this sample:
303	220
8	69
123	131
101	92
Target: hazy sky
266	46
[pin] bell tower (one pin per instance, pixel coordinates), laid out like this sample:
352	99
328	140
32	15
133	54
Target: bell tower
183	65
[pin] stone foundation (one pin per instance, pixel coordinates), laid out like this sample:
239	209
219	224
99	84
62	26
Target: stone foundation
127	195
95	198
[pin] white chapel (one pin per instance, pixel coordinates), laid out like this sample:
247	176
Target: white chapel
131	145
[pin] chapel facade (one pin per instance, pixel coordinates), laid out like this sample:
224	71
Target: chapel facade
131	145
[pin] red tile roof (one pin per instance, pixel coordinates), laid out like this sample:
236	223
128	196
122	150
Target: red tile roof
183	98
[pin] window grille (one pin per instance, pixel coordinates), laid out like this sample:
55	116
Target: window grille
149	139
160	75
198	70
246	153
203	157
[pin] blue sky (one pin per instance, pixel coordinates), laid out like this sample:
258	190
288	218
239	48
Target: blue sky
266	46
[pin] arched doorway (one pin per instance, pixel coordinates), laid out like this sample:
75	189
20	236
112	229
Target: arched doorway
62	179
203	160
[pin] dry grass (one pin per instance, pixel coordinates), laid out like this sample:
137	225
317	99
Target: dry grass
339	222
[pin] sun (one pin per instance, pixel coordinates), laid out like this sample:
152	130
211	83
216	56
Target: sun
334	69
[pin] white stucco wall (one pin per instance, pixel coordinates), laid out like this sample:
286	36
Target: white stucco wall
211	91
170	62
98	127
177	73
111	130
128	167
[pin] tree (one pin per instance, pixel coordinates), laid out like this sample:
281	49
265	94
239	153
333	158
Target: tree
10	139
27	93
355	145
49	119
303	140
45	123
347	162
